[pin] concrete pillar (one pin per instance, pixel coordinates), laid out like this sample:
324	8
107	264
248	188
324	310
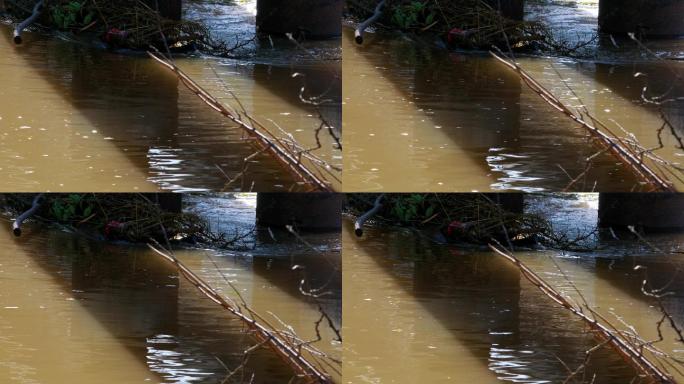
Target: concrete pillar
512	202
648	211
171	202
513	9
171	9
307	211
318	19
647	17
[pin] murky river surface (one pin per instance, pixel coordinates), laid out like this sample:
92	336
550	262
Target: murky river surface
76	118
80	311
420	312
418	118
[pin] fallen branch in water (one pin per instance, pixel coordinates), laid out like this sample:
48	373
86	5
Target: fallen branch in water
264	333
263	138
603	330
611	142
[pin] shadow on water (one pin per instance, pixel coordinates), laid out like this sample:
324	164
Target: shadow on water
321	271
137	107
149	118
506	323
323	83
661	78
141	301
663	272
485	109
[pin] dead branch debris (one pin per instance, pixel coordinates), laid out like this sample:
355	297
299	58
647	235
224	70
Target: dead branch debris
653	366
297	353
131	24
482	219
316	293
655	173
464	24
128	217
312	172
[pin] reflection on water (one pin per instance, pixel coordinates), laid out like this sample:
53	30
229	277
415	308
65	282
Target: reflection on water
442	314
76	118
75	310
462	121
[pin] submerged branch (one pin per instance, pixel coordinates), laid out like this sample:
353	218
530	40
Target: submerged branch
264	334
263	138
612	143
607	333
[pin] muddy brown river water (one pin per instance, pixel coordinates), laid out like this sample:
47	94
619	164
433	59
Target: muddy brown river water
75	118
81	311
420	312
418	118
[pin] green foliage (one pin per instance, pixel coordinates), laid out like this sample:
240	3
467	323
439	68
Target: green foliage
415	14
413	207
74	207
72	14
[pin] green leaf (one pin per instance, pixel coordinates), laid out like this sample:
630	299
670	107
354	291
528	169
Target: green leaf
430	211
430	19
74	6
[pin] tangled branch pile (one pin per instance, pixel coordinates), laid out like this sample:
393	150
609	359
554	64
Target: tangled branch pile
136	24
125	23
481	216
485	216
468	24
129	217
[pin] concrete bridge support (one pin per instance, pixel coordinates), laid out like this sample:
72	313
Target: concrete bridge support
307	211
171	9
170	202
649	211
647	17
512	202
317	19
514	9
